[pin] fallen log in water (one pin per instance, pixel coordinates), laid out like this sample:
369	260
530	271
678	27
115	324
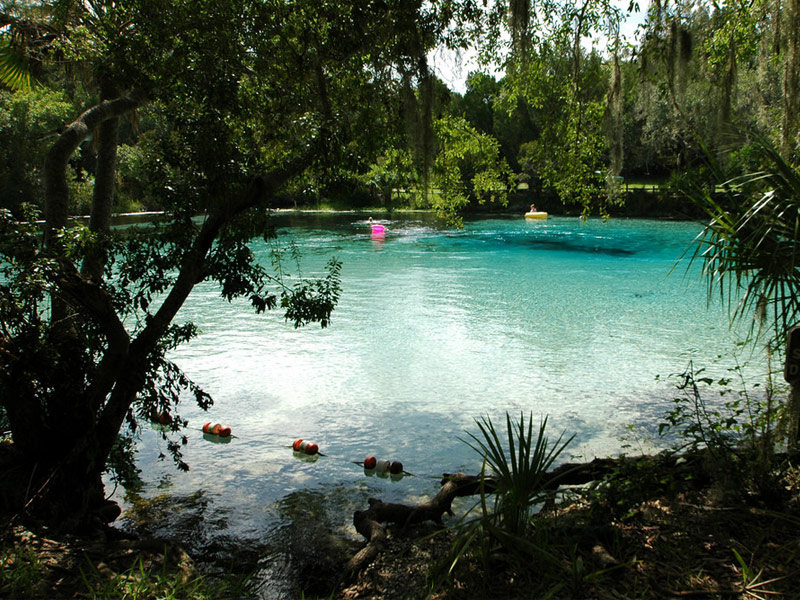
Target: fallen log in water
368	522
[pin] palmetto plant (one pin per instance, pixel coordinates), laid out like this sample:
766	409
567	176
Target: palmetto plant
520	469
749	248
29	32
517	463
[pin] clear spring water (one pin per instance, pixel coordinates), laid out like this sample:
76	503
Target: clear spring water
435	327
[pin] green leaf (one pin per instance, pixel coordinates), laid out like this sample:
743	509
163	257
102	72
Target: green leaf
14	70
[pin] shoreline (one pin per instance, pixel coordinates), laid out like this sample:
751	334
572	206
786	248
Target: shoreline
648	531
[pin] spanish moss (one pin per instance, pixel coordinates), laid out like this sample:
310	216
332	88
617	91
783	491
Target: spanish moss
418	117
777	33
679	53
520	18
791	81
728	85
686	45
615	122
684	54
672	53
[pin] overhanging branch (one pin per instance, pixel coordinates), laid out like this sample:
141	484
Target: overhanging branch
55	164
192	270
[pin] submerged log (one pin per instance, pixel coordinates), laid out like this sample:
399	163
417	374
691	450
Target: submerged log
368	522
693	465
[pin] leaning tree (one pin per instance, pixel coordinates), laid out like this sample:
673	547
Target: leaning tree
252	94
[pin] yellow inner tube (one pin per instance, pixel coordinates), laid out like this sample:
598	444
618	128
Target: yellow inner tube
535	215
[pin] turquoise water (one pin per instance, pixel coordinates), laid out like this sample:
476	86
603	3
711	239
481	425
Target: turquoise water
435	328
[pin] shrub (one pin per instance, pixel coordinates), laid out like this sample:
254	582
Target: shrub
521	485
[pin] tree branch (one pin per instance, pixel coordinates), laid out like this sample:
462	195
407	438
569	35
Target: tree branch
55	164
89	297
192	271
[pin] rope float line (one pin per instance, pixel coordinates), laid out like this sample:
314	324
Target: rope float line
383	465
217	429
304	450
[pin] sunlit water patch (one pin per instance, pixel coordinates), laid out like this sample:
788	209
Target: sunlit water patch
435	327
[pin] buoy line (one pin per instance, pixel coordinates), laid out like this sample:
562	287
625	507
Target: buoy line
306	450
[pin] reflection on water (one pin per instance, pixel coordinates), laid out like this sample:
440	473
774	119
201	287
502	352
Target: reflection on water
435	328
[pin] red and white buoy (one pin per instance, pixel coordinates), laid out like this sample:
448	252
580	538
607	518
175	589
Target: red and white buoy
383	466
305	447
161	422
222	431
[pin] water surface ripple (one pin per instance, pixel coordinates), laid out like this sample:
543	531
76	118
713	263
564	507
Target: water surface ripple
435	327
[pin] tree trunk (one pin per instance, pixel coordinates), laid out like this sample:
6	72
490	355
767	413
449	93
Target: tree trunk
793	416
67	421
57	188
68	405
55	466
55	164
58	454
103	197
791	82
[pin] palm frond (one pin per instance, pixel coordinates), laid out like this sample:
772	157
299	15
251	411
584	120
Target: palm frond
520	468
14	70
748	249
27	33
521	483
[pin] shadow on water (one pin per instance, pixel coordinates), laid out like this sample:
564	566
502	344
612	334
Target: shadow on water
570	245
189	519
313	546
459	242
298	552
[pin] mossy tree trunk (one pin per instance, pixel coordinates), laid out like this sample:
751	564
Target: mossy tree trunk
791	81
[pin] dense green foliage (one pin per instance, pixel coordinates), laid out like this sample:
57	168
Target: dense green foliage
748	251
223	110
750	242
249	99
569	116
28	121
